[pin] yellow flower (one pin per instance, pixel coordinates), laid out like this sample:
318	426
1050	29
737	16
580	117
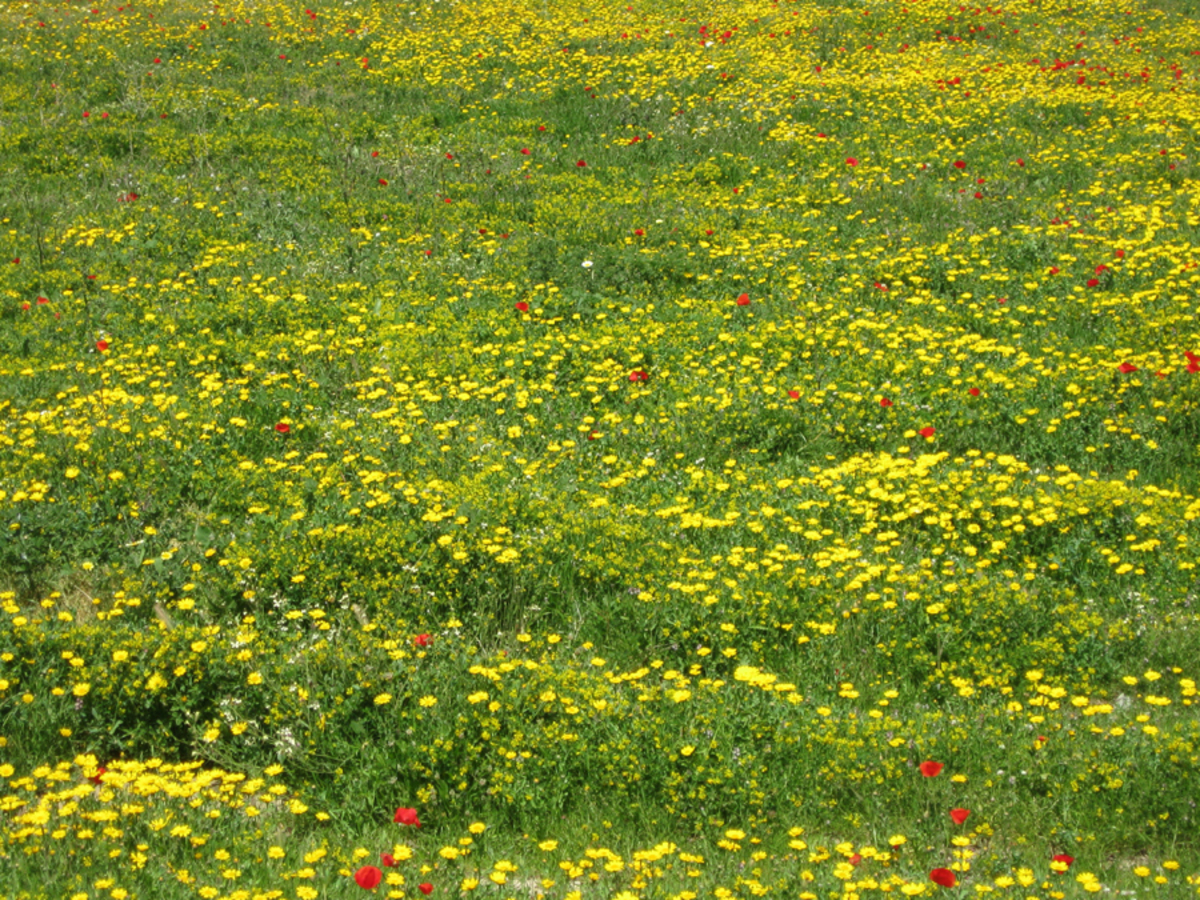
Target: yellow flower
254	678
81	689
687	750
477	828
428	700
548	845
383	699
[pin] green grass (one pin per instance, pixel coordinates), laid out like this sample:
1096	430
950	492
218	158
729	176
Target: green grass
382	427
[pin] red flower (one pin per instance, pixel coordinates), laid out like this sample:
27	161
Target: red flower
1193	361
1126	368
639	375
422	640
978	195
42	301
522	306
524	151
854	860
930	769
743	300
885	402
958	816
449	156
943	877
102	346
1020	162
368	877
639	232
795	395
426	888
388	860
1054	270
959	164
851	161
283	427
95	779
374	153
383	181
406	816
974	392
157	60
1093	282
927	432
1063	858
581	164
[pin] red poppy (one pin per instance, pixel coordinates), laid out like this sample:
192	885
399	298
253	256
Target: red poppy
1093	282
449	156
1193	361
927	432
639	375
524	151
885	402
422	640
383	181
1020	162
425	888
795	395
1126	368
374	153
157	60
943	877
854	860
368	877
851	161
522	306
743	300
102	346
1063	858
95	779
930	769
407	816
283	427
388	860
974	392
959	164
978	195
958	816
581	164
42	301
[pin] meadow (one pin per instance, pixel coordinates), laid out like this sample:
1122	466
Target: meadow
599	451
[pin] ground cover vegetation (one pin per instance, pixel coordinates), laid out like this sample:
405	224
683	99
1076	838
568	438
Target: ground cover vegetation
599	450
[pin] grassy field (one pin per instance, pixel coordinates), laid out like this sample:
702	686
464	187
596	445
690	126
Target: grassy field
599	451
